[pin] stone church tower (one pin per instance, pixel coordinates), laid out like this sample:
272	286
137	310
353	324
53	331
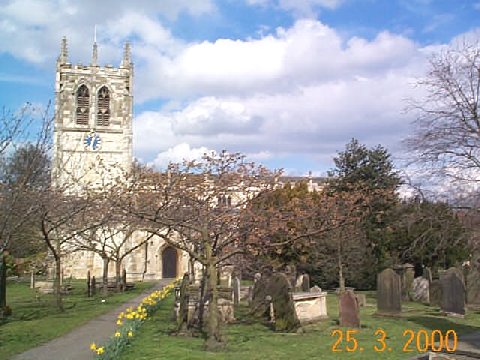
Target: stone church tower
93	147
93	121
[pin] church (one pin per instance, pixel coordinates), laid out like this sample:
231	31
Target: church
92	147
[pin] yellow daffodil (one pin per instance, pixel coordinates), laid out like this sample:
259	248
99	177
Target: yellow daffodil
130	333
119	322
93	347
117	334
100	350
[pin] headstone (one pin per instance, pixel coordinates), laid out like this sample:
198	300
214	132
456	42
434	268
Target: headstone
280	291
89	285
298	283
349	311
305	283
473	287
32	279
182	315
421	290
257	277
427	274
453	292
259	306
315	289
435	293
408	277
93	286
361	299
236	290
389	293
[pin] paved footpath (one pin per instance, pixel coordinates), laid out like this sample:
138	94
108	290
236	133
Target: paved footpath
75	345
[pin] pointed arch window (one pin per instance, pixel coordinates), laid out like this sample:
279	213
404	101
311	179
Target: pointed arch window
103	112
83	105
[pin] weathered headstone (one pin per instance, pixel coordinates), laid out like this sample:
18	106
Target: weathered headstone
182	316
408	277
349	311
427	274
89	284
32	279
389	293
421	290
453	292
361	299
473	284
473	288
435	293
93	286
305	283
315	289
259	306
280	290
236	290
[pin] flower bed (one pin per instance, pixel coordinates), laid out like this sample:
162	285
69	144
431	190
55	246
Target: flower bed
129	321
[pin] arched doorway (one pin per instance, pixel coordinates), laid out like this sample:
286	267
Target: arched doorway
169	262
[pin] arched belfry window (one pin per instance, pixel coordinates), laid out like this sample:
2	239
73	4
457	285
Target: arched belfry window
103	112
83	105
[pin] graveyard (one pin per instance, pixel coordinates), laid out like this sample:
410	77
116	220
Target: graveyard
250	338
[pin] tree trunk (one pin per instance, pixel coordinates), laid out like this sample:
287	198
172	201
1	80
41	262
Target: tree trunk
341	279
3	283
106	260
118	281
57	283
213	329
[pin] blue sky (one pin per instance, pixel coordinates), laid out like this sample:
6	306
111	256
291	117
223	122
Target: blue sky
287	82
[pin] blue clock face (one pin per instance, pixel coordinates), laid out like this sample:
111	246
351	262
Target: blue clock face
92	141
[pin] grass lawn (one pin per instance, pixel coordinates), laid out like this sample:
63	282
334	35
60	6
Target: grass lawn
36	320
249	340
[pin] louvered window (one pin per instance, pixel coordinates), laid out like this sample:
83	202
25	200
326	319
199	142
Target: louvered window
103	113
83	105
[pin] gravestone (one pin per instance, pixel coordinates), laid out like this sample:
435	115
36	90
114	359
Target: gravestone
280	291
257	277
315	289
435	293
298	283
421	290
361	299
389	293
89	284
259	306
236	290
183	303
427	274
93	286
453	292
349	311
407	283
32	279
473	288
305	283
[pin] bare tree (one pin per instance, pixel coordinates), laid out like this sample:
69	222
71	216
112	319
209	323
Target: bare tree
195	207
447	133
17	200
110	234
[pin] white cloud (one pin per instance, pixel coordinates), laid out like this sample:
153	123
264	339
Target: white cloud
301	90
178	154
38	25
